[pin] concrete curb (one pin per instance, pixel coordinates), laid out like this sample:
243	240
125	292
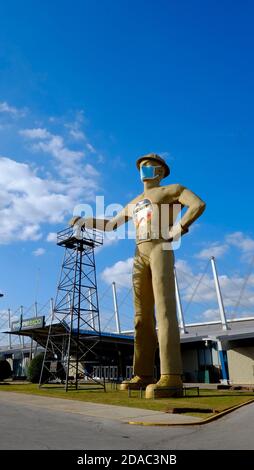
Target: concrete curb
195	423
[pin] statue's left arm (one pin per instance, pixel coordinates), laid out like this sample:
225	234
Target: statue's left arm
195	207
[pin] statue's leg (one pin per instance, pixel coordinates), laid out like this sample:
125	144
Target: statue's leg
145	343
162	268
145	332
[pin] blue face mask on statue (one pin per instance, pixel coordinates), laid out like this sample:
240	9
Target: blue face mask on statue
148	172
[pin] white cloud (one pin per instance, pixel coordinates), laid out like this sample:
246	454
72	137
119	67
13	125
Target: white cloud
194	227
182	266
211	314
120	272
110	238
236	239
51	237
53	145
90	170
11	110
4	315
77	134
28	200
74	127
68	162
27	232
39	252
37	133
199	289
31	197
215	249
90	148
239	240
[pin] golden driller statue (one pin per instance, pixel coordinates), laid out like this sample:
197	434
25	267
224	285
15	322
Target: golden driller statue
154	213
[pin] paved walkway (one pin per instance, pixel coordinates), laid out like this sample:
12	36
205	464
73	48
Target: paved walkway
116	413
30	422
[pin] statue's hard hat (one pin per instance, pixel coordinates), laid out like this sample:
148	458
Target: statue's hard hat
156	158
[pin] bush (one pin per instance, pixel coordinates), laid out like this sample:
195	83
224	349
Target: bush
34	369
5	369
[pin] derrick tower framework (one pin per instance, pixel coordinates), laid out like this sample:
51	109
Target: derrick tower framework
75	329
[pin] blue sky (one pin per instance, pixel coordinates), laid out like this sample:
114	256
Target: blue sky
85	88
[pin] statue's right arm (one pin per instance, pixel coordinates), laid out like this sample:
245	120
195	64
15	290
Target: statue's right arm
107	225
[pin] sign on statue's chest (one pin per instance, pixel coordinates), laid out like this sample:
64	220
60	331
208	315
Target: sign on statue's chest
147	214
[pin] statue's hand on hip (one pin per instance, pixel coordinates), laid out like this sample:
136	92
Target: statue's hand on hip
176	232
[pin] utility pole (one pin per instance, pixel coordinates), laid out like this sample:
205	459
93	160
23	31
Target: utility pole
179	305
219	295
118	327
9	319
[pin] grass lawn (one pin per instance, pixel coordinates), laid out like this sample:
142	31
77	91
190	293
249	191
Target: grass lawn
217	400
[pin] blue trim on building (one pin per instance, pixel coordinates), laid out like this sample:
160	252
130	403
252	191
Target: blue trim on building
224	365
111	335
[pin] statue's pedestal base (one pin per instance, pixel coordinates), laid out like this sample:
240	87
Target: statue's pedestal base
163	392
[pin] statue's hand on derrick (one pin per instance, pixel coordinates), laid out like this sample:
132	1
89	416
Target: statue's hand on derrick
74	220
81	221
87	222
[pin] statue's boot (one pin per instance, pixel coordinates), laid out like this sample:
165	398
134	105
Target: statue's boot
137	382
169	385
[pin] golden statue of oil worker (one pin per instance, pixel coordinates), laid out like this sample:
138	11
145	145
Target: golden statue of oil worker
154	213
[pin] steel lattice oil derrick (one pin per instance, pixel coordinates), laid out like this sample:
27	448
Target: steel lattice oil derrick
75	325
